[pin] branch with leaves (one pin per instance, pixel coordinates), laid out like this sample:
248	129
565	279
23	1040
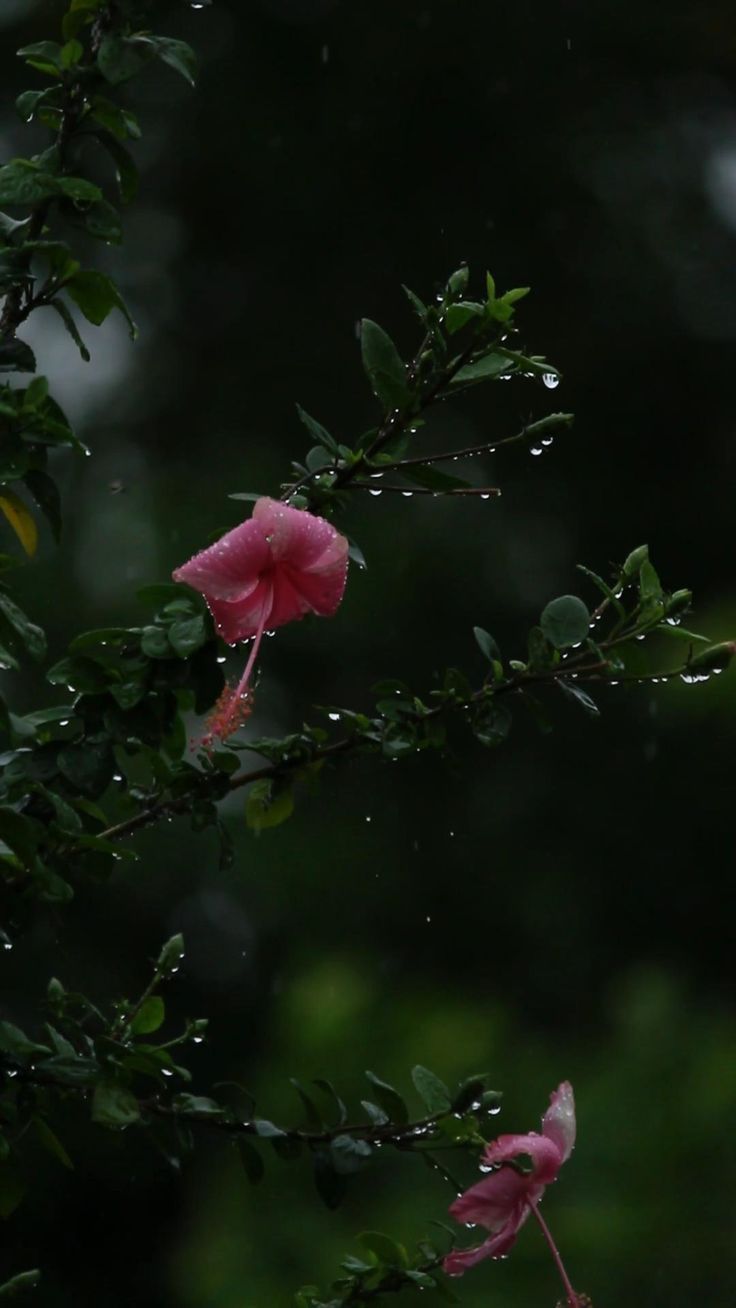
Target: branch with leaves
79	779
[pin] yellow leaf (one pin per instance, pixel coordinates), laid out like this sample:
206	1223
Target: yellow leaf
20	520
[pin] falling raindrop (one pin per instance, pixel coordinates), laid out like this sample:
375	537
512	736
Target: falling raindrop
325	54
367	818
550	380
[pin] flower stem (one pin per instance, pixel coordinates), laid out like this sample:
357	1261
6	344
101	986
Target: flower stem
572	1298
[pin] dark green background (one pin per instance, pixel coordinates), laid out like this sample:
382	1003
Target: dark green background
560	908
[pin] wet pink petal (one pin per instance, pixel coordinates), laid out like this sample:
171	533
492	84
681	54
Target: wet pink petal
273	569
230	568
489	1202
558	1123
545	1155
501	1201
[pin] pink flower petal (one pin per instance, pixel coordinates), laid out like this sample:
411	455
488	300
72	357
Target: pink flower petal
490	1202
544	1153
558	1123
231	568
293	535
240	619
460	1260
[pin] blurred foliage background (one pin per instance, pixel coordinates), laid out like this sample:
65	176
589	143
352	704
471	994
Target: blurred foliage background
561	908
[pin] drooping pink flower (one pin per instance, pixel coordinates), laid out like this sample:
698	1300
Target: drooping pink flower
274	568
503	1200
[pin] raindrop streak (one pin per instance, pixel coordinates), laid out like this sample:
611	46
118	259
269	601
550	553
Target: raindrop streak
550	380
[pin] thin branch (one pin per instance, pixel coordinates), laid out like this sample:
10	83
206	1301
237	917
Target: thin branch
484	491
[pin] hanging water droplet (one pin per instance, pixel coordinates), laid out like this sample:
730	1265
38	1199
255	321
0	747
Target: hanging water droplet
220	658
642	637
197	1040
550	379
535	449
334	717
547	440
376	475
485	495
64	722
374	492
367	818
407	494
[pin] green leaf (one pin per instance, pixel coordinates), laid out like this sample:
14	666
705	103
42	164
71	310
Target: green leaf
581	697
252	1161
383	366
178	55
458	315
32	636
331	1184
492	722
102	221
268	805
487	645
267	1130
150	1016
16	356
19	834
390	1100
202	1105
23	182
349	1155
650	587
565	621
23	1281
63	311
125	167
433	1092
51	1142
188	635
45	56
97	295
114	1106
490	366
15	1042
120	58
171	955
78	189
634	561
12	1193
387	1250
27	103
88	767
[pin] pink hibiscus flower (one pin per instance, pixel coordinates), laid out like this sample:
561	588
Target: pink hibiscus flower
502	1201
272	569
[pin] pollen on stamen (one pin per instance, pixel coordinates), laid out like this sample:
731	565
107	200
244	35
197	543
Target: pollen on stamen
230	713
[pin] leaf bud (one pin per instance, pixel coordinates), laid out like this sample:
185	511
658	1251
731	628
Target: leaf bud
171	954
635	559
458	281
679	602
